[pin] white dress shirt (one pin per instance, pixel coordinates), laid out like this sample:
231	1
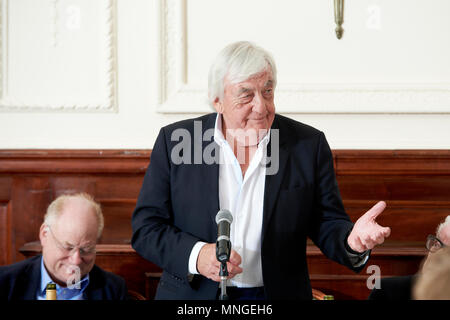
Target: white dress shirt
244	198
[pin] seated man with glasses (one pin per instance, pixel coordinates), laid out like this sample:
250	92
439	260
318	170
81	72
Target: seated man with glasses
400	288
72	226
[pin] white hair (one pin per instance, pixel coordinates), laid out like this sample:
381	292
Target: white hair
238	61
442	225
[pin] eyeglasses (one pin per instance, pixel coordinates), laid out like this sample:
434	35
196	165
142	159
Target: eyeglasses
70	250
433	243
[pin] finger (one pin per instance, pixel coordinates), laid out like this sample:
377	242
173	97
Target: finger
382	231
358	245
213	274
367	244
206	260
386	231
214	270
215	278
380	240
375	211
233	269
378	237
235	258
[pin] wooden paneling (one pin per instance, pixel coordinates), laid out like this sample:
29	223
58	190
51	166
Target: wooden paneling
118	220
5	233
393	258
414	183
74	161
392	162
6	242
31	179
409	220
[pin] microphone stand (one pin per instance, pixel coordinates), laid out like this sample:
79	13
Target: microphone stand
223	248
223	281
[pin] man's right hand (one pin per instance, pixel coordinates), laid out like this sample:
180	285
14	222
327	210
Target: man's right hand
208	266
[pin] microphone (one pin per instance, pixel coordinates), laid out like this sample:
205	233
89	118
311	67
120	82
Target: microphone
223	244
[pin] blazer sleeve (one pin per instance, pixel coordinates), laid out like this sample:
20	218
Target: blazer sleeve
154	236
332	225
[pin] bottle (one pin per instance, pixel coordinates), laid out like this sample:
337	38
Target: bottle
50	292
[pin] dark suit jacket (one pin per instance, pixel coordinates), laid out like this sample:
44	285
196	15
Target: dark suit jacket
178	203
21	281
393	288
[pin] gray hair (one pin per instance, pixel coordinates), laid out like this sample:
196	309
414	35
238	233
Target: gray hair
55	209
442	225
238	61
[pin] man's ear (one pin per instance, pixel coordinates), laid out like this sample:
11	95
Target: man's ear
43	233
218	105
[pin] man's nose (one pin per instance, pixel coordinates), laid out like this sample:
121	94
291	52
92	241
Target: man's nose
258	104
75	257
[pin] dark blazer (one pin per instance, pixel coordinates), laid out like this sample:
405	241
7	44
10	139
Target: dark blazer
21	281
178	203
393	288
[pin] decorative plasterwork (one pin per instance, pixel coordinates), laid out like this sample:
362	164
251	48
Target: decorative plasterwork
104	72
176	95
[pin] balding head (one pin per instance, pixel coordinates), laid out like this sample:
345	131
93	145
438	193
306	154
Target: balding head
77	208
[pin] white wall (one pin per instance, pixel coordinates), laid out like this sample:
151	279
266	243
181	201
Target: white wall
108	74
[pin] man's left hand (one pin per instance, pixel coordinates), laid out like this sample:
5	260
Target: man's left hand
367	233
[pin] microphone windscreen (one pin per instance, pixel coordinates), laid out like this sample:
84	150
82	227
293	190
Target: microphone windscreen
224	214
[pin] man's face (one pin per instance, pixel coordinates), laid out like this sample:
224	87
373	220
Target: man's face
248	108
68	246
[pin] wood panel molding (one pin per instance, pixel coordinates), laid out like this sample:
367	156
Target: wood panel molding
5	232
348	162
392	162
74	161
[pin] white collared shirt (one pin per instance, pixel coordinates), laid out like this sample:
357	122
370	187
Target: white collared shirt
244	198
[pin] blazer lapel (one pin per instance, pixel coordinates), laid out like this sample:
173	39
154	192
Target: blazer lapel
211	189
211	172
31	280
93	292
273	181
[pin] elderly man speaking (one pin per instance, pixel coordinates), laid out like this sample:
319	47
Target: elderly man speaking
276	177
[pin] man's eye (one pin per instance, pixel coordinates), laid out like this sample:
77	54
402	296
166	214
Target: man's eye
246	98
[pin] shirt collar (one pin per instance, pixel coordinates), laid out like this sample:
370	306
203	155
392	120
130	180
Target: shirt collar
45	279
220	139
